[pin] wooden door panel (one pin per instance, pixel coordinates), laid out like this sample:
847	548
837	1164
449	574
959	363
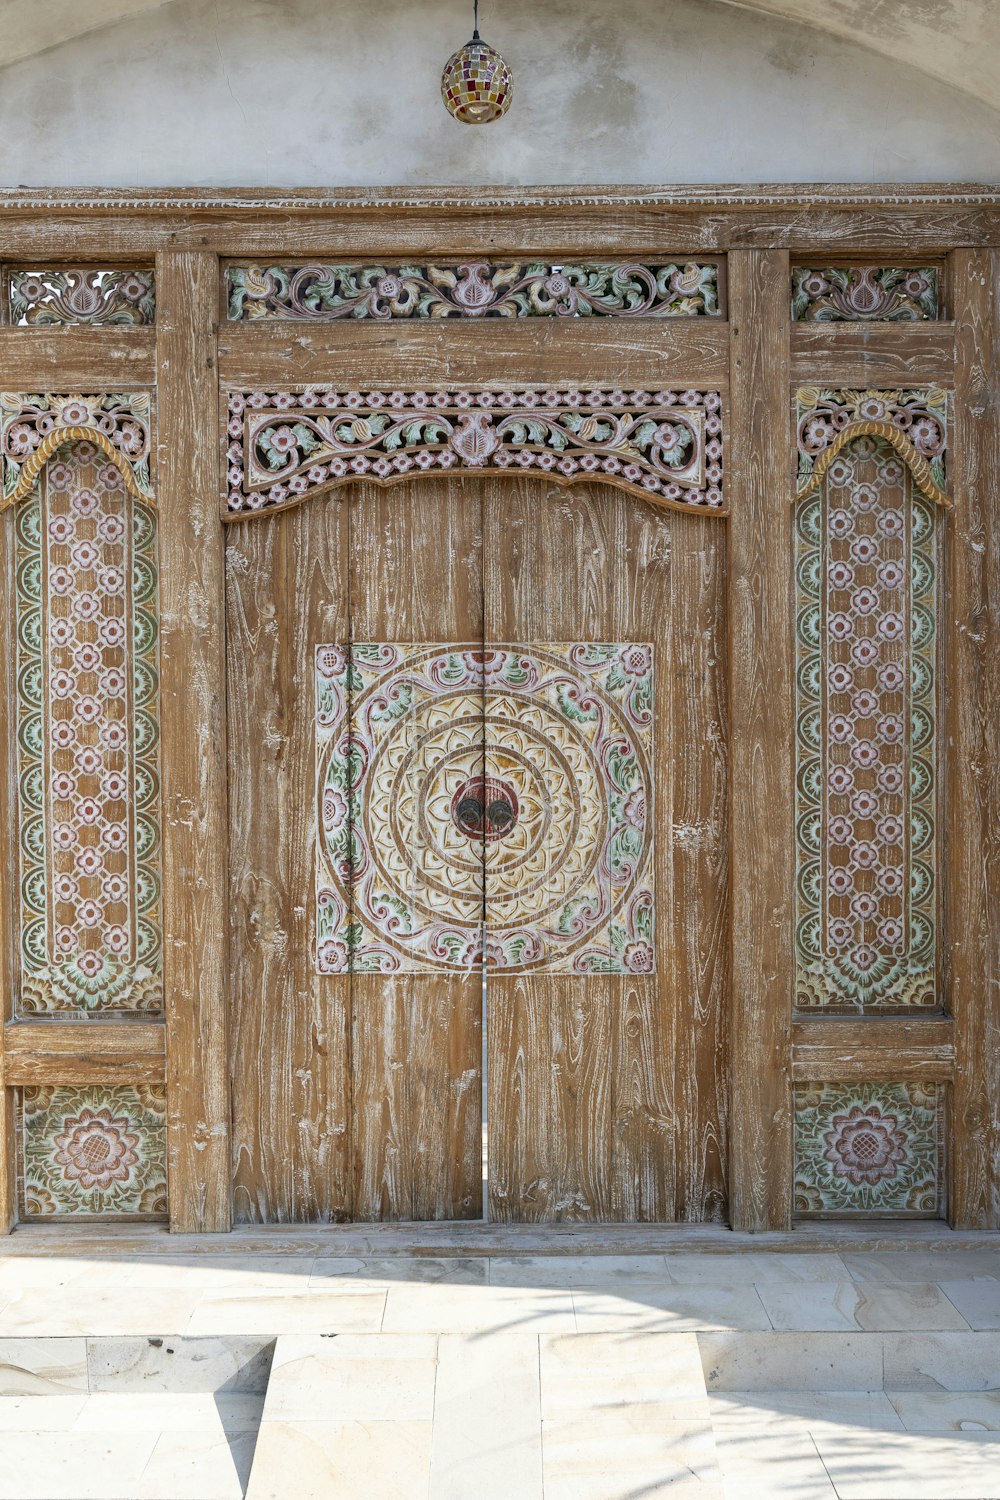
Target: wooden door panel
415	576
289	1038
582	1110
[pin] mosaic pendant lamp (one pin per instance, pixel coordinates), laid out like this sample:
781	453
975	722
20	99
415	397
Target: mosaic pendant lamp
476	84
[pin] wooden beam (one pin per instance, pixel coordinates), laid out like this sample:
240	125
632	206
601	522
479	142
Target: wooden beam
760	570
648	353
971	670
195	894
77	359
83	1052
873	1049
920	222
873	354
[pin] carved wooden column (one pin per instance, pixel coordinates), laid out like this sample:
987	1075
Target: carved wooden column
760	592
195	904
972	682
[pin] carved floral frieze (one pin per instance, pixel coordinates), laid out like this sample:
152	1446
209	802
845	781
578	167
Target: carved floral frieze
66	295
663	445
472	289
864	294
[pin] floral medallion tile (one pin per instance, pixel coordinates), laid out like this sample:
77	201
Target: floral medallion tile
869	1148
485	806
99	1150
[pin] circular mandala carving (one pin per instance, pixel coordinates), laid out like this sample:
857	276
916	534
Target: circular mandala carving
516	779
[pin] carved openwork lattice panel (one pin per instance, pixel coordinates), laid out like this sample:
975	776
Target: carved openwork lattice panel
34	426
869	1149
866	782
65	295
473	289
96	1151
511	785
865	294
87	741
663	445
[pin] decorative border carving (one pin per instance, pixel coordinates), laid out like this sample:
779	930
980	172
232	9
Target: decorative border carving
665	446
472	289
864	294
915	422
32	427
94	295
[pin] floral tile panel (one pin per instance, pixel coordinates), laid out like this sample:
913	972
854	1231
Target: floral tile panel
94	1151
485	806
869	1148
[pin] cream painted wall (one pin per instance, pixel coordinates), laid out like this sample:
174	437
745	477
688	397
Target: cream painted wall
345	92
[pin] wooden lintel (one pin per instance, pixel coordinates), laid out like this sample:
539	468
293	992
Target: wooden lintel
83	1052
873	354
77	359
648	353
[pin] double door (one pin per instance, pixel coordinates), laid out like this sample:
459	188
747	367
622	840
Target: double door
478	856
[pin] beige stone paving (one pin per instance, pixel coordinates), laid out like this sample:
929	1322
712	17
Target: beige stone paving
869	1376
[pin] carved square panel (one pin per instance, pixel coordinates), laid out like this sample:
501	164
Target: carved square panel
485	806
98	1150
869	1148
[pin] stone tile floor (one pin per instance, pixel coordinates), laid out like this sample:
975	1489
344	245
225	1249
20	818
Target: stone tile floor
812	1375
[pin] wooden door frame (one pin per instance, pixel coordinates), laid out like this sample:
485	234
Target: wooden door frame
758	356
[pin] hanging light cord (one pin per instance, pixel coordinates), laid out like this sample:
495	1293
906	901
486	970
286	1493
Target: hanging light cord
475	21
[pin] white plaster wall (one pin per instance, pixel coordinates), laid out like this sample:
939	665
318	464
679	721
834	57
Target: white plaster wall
345	92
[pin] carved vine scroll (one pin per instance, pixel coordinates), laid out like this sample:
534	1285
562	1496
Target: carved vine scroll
665	446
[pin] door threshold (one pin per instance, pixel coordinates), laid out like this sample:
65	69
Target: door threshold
485	1239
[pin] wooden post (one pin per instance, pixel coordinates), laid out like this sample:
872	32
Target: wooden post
971	851
8	864
761	768
192	594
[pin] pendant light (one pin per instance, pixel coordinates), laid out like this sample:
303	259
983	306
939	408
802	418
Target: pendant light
476	84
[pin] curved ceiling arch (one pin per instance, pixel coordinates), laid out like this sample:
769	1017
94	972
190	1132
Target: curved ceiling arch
956	42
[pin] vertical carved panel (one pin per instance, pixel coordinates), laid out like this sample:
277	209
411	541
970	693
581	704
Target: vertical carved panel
87	734
865	750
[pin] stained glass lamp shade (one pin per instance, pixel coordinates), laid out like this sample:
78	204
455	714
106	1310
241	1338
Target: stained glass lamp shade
476	84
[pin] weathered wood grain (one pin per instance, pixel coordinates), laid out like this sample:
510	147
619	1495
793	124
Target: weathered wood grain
971	670
872	354
583	1098
77	359
873	1049
634	353
416	575
193	727
414	224
290	1027
84	1052
699	959
760	573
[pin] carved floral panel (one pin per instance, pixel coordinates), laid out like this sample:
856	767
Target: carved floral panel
66	295
865	786
32	426
514	781
864	294
87	741
869	1148
472	289
93	1151
919	416
663	445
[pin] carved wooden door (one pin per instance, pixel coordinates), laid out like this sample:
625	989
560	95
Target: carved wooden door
478	772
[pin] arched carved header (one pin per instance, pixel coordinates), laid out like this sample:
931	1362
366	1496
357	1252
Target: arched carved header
665	446
913	422
34	427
